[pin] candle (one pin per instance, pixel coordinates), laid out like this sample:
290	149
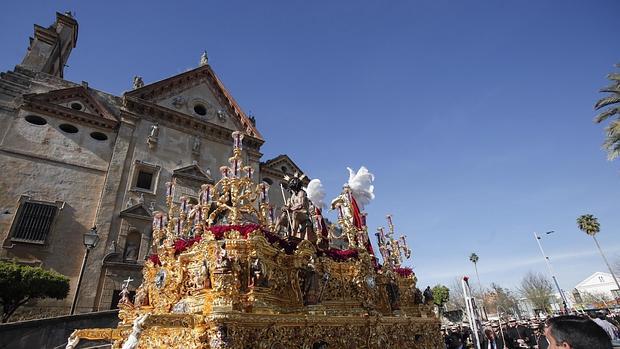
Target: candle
264	192
235	166
156	220
184	207
237	139
198	217
169	188
225	171
177	225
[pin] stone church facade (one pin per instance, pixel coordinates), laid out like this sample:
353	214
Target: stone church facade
74	157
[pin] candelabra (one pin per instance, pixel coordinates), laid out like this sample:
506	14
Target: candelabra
392	249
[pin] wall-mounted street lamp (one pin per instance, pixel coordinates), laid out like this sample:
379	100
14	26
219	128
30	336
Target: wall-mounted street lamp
91	238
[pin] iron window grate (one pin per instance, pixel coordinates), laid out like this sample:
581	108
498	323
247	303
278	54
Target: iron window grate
34	222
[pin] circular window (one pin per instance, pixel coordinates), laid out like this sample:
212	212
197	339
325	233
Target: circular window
35	120
99	136
76	106
200	109
68	128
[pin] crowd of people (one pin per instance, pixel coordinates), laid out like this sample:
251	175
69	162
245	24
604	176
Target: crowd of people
593	330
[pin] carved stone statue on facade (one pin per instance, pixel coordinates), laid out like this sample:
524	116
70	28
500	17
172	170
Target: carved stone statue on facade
204	59
295	212
137	82
131	251
221	115
179	101
153	137
196	145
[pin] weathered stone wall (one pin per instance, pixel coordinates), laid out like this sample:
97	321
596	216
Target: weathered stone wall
47	164
52	332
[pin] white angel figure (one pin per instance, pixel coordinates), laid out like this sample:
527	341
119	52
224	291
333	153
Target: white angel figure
316	193
73	341
361	186
134	337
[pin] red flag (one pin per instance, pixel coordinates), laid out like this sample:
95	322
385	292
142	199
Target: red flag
321	222
356	213
359	222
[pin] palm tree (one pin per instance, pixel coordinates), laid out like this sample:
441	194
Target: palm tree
612	143
474	259
589	225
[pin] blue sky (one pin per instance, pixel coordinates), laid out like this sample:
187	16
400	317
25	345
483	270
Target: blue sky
475	116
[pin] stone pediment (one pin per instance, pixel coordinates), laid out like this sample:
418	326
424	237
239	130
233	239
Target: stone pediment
138	211
280	165
193	172
200	94
73	103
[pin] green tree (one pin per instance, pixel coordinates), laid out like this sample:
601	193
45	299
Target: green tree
441	295
611	103
538	290
589	225
20	283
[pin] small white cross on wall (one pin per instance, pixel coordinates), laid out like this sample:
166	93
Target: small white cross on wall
129	279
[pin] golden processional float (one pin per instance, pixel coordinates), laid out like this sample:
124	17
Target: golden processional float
227	273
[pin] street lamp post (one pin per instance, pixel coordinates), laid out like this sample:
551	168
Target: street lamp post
501	330
548	262
90	241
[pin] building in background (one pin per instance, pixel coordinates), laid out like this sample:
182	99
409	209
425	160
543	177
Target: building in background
74	157
596	291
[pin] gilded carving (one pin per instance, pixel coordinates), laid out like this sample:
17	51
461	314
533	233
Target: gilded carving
221	278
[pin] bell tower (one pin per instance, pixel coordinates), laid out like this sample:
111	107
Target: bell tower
50	47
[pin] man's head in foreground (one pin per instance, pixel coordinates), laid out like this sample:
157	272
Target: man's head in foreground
575	332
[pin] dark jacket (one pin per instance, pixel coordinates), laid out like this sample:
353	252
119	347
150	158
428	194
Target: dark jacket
498	343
